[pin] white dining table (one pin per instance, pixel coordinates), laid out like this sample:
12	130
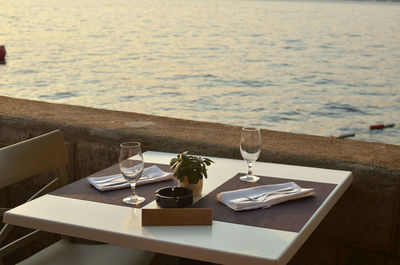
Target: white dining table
221	242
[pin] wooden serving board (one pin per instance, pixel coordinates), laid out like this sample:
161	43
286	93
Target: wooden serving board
176	216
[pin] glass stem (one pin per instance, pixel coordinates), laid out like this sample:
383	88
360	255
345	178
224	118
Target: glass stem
250	171
133	188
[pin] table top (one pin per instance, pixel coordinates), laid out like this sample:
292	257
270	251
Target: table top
222	242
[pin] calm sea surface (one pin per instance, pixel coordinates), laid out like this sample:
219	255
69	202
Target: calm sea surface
323	68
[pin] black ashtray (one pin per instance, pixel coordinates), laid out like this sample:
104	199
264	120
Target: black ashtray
174	197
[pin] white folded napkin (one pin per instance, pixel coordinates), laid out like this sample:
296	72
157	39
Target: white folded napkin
237	201
150	175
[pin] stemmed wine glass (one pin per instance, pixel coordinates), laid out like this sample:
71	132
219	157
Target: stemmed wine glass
250	148
131	165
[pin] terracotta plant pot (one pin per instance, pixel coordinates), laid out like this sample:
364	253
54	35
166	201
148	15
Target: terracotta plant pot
196	188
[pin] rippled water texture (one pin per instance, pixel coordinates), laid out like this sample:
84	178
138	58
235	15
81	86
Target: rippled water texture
323	68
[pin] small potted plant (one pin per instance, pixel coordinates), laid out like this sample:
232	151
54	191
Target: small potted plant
190	170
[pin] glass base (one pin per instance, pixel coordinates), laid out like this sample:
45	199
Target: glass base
133	200
249	178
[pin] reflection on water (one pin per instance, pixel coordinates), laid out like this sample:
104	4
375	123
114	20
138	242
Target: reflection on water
324	68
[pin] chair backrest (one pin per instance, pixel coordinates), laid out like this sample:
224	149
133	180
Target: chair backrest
31	158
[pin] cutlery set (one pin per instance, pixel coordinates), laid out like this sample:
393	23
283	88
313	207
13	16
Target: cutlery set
119	179
265	195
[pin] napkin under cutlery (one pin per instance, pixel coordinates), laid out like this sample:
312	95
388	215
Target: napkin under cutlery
150	175
241	199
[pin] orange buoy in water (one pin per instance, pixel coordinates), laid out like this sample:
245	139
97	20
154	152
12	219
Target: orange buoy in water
3	52
380	126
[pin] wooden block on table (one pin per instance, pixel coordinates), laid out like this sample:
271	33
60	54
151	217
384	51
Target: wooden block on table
176	216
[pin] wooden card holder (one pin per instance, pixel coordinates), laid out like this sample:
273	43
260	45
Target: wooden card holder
176	216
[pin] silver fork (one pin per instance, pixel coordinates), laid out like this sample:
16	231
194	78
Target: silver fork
263	196
145	171
108	179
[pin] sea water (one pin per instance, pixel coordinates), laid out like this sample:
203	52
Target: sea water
313	67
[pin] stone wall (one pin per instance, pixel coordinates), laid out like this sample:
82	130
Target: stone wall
363	228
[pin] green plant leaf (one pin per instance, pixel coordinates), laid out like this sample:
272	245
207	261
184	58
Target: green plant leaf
204	170
177	172
195	168
185	159
175	163
193	178
172	162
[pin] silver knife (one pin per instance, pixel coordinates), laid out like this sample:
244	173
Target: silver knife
263	196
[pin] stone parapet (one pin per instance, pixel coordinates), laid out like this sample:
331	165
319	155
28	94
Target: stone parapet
361	229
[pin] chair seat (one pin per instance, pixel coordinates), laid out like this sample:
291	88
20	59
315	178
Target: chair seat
65	253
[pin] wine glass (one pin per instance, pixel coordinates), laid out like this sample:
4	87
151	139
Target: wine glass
131	165
250	148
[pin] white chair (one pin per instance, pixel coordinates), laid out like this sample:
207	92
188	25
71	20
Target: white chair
36	156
